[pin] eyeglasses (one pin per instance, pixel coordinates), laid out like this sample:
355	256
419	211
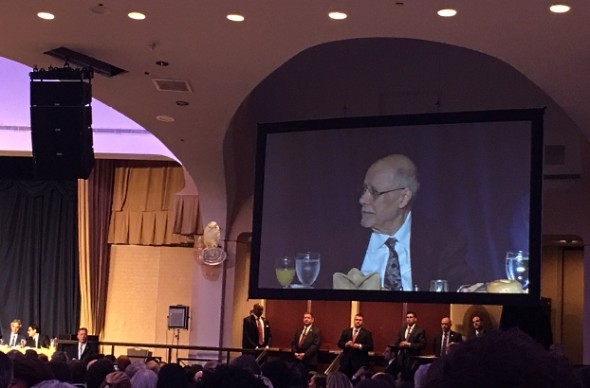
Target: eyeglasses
374	193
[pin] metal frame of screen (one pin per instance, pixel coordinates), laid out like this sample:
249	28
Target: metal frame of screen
532	116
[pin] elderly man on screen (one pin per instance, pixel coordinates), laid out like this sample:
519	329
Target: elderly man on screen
406	252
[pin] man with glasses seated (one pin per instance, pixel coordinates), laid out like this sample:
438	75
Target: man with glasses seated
407	251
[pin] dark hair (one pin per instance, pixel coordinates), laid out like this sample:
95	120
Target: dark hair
413	313
229	376
501	359
5	370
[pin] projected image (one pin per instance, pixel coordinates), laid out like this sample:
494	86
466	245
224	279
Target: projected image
390	209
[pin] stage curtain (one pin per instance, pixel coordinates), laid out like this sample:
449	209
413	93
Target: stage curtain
39	255
94	207
143	211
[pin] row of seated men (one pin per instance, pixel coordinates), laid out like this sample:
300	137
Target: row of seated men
35	339
356	342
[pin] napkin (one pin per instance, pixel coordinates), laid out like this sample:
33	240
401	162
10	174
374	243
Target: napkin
356	280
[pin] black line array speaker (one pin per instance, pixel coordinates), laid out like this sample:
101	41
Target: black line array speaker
61	129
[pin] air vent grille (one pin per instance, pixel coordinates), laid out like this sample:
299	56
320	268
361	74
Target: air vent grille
172	85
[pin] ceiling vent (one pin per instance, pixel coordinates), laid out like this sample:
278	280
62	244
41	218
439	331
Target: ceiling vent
172	85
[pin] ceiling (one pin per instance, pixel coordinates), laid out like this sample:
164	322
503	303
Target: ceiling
223	61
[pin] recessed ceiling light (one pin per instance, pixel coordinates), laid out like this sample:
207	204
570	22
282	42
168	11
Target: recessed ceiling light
182	103
46	15
136	15
447	12
235	17
162	63
165	119
337	15
559	8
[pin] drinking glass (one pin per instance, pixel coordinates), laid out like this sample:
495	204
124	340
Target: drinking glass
307	266
517	267
23	343
285	270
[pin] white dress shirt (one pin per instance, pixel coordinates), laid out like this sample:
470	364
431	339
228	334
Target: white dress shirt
377	254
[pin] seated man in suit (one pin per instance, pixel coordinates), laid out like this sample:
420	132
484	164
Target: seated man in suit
306	343
407	250
36	340
15	337
445	338
356	343
83	349
410	341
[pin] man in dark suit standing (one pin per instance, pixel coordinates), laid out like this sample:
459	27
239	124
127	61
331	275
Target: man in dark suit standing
445	338
83	349
306	343
256	329
477	326
14	338
356	343
36	339
410	341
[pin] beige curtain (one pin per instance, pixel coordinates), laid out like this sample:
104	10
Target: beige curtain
143	210
84	257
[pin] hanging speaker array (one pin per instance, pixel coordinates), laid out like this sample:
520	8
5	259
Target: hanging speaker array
61	123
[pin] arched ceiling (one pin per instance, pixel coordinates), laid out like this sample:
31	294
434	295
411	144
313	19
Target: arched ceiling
223	61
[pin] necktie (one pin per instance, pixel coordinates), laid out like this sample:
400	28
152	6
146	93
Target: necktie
260	332
355	334
445	344
13	340
302	338
408	332
80	351
393	277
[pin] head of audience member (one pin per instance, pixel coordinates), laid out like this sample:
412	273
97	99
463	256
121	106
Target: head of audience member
29	371
15	326
78	372
123	362
229	376
5	370
388	190
308	319
31	353
445	324
210	365
476	322
298	374
277	372
82	335
144	378
362	373
172	376
257	310
43	357
318	380
59	356
116	380
374	383
411	318
338	380
98	371
192	370
134	367
53	384
386	377
247	362
358	321
501	359
153	364
388	353
61	371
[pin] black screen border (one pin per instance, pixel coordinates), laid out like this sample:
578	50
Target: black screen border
534	116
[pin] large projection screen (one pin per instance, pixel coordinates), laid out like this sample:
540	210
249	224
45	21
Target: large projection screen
479	197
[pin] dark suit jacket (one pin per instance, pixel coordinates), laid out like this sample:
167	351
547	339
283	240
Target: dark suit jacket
353	359
90	350
417	339
437	252
454	337
310	345
7	336
250	332
43	342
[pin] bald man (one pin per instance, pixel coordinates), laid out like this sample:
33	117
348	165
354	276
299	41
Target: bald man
406	251
256	329
445	338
